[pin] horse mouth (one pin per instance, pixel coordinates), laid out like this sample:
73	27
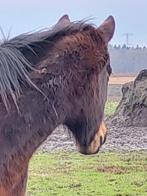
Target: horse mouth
97	142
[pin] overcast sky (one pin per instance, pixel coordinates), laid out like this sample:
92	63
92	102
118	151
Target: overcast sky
130	15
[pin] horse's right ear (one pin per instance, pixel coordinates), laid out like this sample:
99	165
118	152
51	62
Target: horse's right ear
107	28
64	21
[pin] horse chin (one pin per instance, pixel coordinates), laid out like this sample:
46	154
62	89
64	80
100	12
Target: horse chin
97	142
88	151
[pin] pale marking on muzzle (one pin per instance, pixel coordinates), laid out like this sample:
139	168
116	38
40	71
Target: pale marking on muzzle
96	142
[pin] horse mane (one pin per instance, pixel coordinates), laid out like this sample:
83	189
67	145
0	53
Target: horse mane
19	55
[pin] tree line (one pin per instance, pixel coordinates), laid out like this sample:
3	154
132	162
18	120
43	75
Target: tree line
128	60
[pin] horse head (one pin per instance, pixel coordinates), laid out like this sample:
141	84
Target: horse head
88	90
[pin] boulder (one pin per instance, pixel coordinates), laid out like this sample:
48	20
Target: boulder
132	109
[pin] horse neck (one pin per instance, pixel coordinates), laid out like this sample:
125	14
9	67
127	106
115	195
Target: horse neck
21	134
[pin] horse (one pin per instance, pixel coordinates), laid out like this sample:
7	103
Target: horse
47	78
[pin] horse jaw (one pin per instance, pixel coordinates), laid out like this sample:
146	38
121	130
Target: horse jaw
97	142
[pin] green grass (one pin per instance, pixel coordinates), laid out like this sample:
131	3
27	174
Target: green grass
110	107
72	174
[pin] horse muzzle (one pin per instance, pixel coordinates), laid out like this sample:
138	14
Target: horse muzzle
97	142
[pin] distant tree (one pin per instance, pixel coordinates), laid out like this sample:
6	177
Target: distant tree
124	46
138	47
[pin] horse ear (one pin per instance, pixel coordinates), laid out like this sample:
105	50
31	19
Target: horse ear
107	28
64	21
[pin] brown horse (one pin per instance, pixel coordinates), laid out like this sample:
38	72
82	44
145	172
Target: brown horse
47	78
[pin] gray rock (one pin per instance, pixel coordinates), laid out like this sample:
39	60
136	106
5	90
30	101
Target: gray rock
132	109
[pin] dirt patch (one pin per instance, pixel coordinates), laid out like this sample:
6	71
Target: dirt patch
113	169
118	139
116	79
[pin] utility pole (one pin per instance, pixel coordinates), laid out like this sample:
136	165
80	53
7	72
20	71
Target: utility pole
127	36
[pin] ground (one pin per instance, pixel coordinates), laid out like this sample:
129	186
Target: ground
121	79
72	174
120	169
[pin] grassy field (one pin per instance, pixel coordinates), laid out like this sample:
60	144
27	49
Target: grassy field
72	174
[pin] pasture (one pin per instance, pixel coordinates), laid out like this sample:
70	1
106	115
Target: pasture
72	174
106	174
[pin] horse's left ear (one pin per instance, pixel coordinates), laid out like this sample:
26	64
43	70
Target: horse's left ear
107	28
64	21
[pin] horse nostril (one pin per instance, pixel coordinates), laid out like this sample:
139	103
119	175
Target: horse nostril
105	137
101	140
